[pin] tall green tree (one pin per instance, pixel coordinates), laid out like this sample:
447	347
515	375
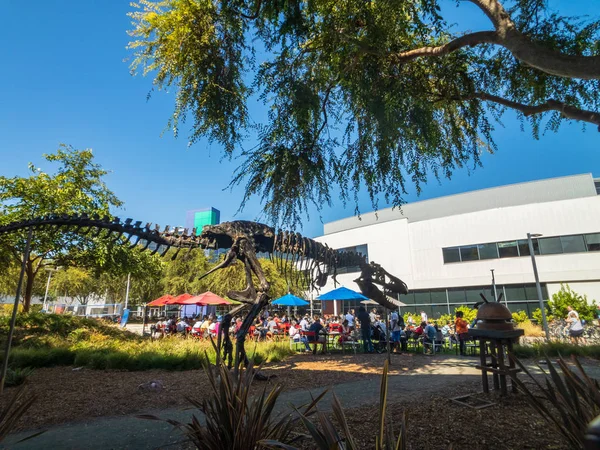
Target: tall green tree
233	278
181	275
77	283
362	93
76	187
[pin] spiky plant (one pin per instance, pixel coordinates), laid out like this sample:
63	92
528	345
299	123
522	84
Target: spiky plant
327	437
236	421
568	402
13	410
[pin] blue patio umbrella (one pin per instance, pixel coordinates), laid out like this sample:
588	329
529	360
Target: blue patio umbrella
290	300
342	293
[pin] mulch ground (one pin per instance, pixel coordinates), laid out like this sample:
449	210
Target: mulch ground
66	395
434	421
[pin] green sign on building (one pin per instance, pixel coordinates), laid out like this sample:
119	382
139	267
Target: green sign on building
200	217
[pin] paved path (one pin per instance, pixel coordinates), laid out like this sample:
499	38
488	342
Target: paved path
129	432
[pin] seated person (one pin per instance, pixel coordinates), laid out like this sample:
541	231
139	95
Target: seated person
430	334
272	327
297	337
419	330
318	330
212	328
182	326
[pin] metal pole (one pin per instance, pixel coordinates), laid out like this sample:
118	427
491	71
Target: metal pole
47	286
127	292
538	287
494	286
387	336
13	319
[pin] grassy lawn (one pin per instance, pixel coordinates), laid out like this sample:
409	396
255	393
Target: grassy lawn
45	340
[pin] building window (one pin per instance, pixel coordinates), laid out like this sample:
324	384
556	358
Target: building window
473	295
550	246
469	253
488	251
456	295
438	296
361	250
423	297
515	293
451	255
592	242
508	249
572	244
524	247
597	186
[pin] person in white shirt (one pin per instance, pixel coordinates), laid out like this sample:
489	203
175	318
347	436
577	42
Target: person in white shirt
576	329
373	315
181	325
350	319
423	316
297	337
304	323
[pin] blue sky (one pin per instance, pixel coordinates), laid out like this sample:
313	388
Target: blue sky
65	78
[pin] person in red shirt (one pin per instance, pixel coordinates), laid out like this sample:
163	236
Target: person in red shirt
419	330
460	325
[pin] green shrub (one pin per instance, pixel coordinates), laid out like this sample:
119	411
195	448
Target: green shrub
16	377
469	314
538	350
567	297
520	316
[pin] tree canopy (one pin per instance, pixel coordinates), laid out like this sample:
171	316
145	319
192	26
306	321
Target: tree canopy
76	187
362	93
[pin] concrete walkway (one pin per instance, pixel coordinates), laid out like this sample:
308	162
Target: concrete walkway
130	432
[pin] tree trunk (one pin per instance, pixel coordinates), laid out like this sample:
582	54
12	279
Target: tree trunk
28	286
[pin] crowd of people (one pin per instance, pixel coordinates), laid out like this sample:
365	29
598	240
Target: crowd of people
368	327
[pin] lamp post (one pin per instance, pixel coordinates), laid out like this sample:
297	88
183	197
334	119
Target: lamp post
537	283
494	285
50	271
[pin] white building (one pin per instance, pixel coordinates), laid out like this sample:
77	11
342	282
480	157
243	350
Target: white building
444	248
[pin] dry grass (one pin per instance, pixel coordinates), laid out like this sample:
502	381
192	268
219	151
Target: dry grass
531	329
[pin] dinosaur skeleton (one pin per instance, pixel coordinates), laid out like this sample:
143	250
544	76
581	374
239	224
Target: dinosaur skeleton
304	262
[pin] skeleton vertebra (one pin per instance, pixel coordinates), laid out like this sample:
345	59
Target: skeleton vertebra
303	261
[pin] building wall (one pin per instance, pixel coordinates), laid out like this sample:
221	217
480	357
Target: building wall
413	250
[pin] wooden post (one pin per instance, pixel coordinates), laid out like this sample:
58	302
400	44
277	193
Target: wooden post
502	367
13	319
482	358
495	347
511	364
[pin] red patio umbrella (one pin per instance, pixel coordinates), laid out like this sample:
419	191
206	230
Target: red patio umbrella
161	301
207	299
181	299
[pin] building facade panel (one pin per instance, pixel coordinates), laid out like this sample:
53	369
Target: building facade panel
439	255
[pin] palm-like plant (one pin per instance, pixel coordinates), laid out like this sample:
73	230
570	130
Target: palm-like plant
327	437
14	410
234	420
569	402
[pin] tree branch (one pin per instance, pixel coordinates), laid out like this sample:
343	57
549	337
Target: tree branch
520	46
468	40
532	54
569	112
255	15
